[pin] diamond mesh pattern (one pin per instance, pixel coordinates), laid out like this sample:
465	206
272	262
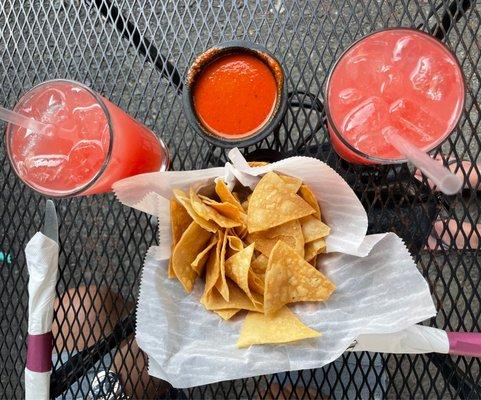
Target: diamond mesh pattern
103	243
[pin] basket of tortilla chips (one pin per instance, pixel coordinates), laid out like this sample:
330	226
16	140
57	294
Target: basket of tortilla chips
263	268
255	251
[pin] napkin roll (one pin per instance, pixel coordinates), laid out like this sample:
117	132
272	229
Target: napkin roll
419	339
41	254
39	352
37	385
416	339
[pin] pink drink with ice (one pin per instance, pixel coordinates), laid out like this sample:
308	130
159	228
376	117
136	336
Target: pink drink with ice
397	77
88	145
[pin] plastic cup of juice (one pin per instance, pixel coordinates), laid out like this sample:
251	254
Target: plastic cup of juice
88	144
397	77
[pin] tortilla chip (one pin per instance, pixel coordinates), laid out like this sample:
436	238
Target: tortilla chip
225	195
179	222
226	209
255	164
241	231
256	282
185	201
292	183
190	244
313	261
221	283
290	278
259	265
235	243
208	213
314	248
290	233
237	299
237	268
227	313
291	228
212	273
313	228
245	205
199	262
272	203
281	327
306	193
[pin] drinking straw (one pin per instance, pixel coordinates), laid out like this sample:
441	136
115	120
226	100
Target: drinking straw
443	178
21	120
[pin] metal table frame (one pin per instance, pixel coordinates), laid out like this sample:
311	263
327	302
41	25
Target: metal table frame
137	53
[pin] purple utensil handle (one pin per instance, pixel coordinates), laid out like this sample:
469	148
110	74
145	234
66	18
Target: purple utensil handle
39	352
465	343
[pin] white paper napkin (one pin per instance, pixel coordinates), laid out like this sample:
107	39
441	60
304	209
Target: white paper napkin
416	339
41	254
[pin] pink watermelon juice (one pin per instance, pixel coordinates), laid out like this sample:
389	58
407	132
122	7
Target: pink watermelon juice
89	143
397	77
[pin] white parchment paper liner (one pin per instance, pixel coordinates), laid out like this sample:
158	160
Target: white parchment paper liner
340	207
188	346
379	289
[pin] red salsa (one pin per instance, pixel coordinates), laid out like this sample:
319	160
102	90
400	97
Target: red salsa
235	95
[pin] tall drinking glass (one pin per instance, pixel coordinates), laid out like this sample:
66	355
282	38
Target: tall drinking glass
89	143
401	78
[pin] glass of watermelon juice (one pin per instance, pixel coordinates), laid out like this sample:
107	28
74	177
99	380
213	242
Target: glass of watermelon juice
88	142
400	78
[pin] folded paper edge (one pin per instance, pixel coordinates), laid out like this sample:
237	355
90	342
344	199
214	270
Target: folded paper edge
149	255
140	186
140	197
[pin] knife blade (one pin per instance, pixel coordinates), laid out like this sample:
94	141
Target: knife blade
50	223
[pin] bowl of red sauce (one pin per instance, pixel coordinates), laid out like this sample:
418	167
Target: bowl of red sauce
235	94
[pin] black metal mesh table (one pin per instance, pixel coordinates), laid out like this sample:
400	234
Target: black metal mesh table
136	53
